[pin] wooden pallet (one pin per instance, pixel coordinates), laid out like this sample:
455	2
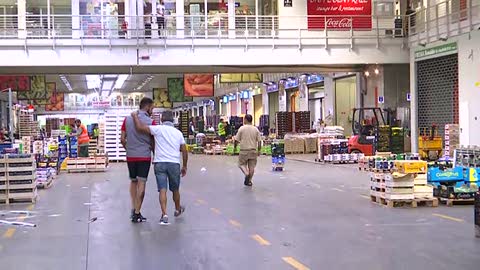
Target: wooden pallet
402	203
86	170
452	202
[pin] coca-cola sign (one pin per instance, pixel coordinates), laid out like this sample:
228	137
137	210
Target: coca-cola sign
339	14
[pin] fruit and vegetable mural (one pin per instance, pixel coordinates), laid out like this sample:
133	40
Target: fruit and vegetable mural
198	85
160	98
37	89
175	90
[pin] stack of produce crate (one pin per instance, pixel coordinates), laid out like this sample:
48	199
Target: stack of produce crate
101	137
183	122
264	125
302	121
27	126
284	123
44	177
400	182
398	140
452	139
27	145
383	139
19	178
52	124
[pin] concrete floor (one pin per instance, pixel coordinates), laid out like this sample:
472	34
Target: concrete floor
310	216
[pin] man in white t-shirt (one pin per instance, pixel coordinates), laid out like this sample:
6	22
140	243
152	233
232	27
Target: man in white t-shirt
169	142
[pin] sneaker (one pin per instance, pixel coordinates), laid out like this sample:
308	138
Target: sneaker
247	181
179	212
142	217
137	218
164	220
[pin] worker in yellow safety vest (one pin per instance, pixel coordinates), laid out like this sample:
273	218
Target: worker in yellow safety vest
83	139
222	130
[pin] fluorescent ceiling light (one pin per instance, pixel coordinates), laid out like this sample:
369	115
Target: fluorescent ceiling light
120	81
66	82
93	81
107	85
109	76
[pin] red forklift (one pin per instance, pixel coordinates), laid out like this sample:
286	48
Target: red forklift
365	124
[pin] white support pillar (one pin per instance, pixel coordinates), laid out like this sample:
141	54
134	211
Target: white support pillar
265	100
413	108
49	20
303	95
329	100
231	18
76	19
239	104
282	97
22	19
180	7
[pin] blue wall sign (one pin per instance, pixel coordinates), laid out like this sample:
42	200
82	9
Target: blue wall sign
381	99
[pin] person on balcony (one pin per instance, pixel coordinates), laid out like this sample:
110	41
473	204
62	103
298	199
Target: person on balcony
148	25
161	18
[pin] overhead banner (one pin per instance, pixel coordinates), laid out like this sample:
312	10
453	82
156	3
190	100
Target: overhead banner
340	14
175	90
241	78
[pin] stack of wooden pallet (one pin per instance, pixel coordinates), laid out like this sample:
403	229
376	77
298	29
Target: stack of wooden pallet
101	137
113	147
402	185
17	178
90	164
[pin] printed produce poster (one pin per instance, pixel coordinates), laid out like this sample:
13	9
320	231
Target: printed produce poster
241	78
344	14
57	102
198	85
160	98
16	83
175	90
37	89
51	89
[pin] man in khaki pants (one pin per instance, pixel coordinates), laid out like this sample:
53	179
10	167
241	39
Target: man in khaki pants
250	145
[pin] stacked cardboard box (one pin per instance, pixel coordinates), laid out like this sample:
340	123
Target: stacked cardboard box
452	139
421	189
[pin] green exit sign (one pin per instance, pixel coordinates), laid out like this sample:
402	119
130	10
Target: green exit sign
442	49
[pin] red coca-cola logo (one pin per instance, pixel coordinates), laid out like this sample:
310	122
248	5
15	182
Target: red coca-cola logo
339	22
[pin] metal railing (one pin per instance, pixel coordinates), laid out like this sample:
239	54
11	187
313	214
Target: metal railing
443	20
312	28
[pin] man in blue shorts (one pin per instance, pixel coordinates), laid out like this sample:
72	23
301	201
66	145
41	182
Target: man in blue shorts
169	143
139	147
